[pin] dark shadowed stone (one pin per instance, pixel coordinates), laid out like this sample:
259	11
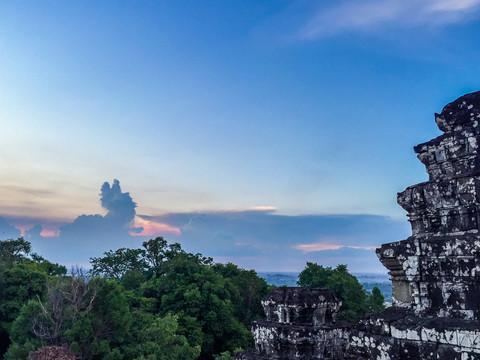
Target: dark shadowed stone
463	110
300	324
296	305
435	273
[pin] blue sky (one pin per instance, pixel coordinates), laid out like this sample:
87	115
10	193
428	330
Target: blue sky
276	111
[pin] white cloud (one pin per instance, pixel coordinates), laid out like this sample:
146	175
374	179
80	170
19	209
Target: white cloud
315	247
367	15
449	5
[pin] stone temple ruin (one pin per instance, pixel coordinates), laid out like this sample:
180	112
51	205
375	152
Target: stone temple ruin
299	324
435	273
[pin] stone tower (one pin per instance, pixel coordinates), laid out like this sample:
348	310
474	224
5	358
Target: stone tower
436	272
300	324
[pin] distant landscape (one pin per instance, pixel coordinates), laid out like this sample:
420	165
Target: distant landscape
368	280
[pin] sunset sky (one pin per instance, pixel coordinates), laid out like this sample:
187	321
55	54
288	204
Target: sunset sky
266	133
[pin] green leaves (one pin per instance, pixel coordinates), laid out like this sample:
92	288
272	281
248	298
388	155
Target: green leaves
376	300
116	263
356	302
189	287
158	338
315	275
92	317
248	291
13	251
157	302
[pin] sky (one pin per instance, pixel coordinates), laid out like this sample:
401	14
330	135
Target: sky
265	133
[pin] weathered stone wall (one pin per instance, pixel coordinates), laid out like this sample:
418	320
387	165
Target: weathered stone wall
399	333
281	341
300	306
435	273
300	324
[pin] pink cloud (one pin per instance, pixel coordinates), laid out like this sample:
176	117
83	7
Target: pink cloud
50	232
264	208
23	228
153	228
308	248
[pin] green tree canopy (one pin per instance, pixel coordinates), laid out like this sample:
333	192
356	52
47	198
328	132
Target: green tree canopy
156	302
91	317
23	276
356	302
253	289
190	287
213	304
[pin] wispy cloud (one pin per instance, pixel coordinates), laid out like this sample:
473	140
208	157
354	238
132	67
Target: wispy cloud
264	208
354	15
152	228
308	248
255	238
265	240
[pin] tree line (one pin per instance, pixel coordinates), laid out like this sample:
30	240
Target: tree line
156	302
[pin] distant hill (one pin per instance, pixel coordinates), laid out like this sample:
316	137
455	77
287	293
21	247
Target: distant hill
368	280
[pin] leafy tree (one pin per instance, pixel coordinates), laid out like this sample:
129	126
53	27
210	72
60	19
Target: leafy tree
347	287
315	275
13	251
189	287
92	318
23	342
224	356
20	284
157	338
375	300
156	252
99	333
157	302
355	300
252	289
23	276
114	264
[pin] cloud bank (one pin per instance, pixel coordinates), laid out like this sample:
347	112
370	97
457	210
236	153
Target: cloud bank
257	238
353	16
91	235
266	241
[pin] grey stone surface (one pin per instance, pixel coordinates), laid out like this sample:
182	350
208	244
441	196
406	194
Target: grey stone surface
300	324
435	273
300	306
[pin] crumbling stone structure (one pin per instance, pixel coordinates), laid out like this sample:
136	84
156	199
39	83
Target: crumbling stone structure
435	273
300	324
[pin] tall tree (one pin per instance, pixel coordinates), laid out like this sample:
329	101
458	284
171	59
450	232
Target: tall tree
344	285
252	289
23	276
91	317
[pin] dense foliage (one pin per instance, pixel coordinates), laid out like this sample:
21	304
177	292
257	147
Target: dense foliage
157	302
356	302
23	277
